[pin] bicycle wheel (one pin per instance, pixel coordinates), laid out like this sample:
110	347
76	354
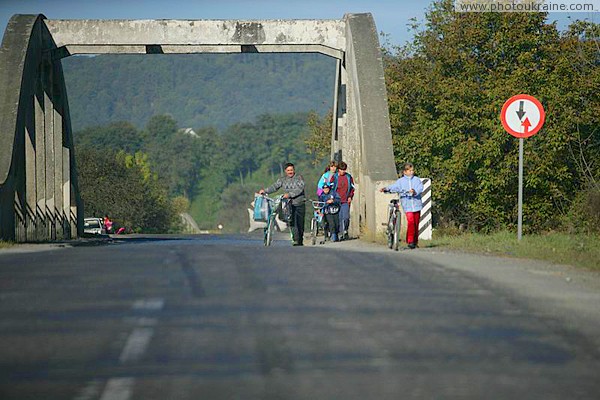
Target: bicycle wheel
313	231
269	231
397	225
266	231
390	231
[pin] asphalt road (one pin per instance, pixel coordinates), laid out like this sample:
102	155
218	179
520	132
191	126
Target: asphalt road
222	317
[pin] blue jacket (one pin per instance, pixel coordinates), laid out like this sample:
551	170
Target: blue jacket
409	203
334	207
327	178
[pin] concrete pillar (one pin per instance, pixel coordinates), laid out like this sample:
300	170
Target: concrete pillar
42	228
50	159
66	194
369	134
57	125
35	157
30	172
335	113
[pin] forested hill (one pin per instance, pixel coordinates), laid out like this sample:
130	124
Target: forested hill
197	90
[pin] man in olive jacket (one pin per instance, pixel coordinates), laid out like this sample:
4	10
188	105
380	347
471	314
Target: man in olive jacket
293	188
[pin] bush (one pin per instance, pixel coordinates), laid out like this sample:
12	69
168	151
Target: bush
584	213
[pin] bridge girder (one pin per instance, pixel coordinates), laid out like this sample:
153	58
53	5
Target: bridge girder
38	182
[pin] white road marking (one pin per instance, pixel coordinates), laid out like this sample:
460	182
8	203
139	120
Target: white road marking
149	304
90	392
118	389
136	344
142	321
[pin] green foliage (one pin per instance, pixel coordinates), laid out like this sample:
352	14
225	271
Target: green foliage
318	144
584	214
110	183
114	136
445	93
245	158
218	172
235	146
181	204
197	90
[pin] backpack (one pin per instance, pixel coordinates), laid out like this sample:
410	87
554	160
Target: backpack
285	214
332	209
262	208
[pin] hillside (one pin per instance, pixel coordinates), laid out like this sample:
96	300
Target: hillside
197	90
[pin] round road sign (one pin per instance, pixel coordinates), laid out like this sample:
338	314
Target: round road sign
522	116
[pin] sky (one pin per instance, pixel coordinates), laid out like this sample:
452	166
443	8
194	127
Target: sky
391	16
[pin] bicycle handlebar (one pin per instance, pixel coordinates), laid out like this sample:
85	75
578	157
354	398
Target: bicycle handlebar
318	204
271	198
406	192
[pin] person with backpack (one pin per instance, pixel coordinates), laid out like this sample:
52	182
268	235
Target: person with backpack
331	211
293	186
345	189
329	177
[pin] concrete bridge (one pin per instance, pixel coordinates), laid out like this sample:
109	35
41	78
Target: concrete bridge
39	194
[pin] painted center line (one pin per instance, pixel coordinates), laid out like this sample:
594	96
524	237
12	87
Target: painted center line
149	304
136	344
118	389
141	321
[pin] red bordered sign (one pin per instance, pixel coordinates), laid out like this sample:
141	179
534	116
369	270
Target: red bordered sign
522	116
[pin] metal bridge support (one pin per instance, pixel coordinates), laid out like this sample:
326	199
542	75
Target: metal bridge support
39	196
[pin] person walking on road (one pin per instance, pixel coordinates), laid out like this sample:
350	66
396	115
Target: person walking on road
410	188
331	209
293	186
329	177
345	188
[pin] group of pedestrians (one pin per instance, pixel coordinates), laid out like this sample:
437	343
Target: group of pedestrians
336	190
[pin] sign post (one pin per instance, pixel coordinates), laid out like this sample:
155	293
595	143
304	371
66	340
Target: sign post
522	116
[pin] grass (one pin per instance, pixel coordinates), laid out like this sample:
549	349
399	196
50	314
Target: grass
4	245
560	248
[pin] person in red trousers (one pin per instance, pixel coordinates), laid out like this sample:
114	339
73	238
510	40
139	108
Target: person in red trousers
410	189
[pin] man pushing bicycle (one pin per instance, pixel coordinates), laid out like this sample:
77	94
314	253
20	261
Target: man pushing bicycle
293	188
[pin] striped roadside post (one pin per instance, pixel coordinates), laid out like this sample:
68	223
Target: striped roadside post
425	228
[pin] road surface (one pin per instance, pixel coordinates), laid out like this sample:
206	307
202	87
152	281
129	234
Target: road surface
222	317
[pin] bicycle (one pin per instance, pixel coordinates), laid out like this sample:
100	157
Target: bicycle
317	220
275	208
394	222
274	205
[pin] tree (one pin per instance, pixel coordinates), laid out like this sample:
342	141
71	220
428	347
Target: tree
318	143
114	137
445	93
120	185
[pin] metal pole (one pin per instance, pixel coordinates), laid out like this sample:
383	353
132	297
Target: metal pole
520	221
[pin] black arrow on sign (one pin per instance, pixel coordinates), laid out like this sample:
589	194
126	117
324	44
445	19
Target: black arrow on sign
520	113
